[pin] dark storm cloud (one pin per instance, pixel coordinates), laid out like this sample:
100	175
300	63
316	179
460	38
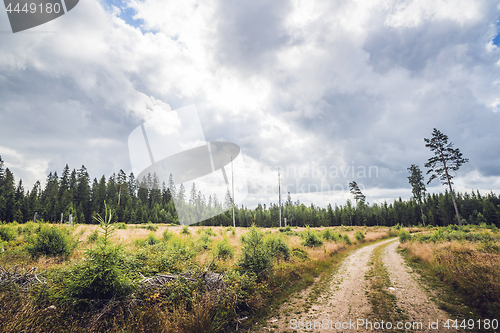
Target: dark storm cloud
249	32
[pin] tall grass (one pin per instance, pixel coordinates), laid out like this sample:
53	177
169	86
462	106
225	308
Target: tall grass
99	290
467	263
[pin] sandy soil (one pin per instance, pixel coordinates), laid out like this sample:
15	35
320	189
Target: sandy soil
344	304
410	297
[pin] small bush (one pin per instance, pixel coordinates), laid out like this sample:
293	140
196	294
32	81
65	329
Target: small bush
151	227
121	225
299	253
328	235
205	241
233	231
28	229
100	276
489	247
346	239
8	233
167	234
404	236
93	236
209	232
392	233
50	241
277	248
359	236
151	239
255	257
285	229
224	250
311	238
185	230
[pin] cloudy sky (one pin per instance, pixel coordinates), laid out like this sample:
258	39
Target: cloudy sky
327	91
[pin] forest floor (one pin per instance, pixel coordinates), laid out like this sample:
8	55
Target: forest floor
372	288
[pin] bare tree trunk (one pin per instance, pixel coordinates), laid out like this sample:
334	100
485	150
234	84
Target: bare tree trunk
451	190
422	212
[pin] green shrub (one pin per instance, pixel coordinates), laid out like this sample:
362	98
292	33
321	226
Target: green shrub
489	247
346	239
285	229
173	257
167	234
359	236
8	233
392	233
233	231
152	239
299	253
224	250
209	232
277	248
255	258
100	276
28	229
121	225
328	235
311	238
51	241
404	236
93	236
205	241
151	227
185	230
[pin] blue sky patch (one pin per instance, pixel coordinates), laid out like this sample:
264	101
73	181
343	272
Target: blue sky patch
496	40
126	13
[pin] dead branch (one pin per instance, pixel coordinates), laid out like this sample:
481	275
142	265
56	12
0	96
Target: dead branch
20	276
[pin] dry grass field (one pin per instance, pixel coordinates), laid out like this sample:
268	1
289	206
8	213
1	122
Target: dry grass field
145	278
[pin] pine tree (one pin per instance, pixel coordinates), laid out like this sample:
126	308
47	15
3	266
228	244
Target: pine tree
356	192
445	159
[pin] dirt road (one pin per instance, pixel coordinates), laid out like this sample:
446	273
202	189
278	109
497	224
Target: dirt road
344	305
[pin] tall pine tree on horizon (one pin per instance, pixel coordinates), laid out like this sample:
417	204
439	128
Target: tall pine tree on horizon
445	159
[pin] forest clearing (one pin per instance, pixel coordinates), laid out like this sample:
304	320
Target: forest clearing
159	278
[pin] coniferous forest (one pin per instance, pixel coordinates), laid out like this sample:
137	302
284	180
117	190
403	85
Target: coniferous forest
75	192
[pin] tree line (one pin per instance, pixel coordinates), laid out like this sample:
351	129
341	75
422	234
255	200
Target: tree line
134	202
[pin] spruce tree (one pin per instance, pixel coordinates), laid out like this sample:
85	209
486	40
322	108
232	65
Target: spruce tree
416	180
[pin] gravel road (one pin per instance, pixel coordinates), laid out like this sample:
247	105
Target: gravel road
344	305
